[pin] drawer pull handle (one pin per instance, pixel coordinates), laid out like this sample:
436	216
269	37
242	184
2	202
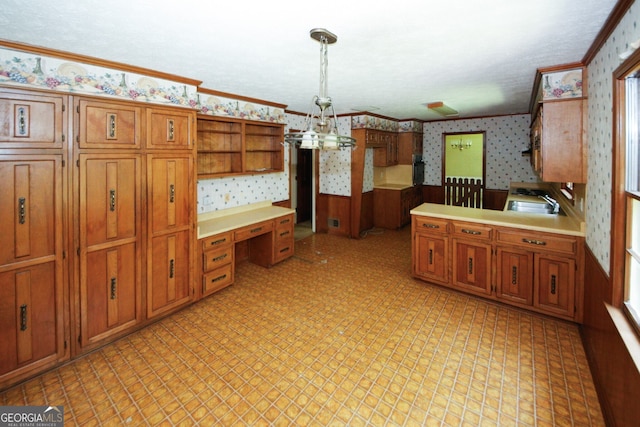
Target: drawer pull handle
172	193
219	258
113	288
22	210
514	275
283	250
217	242
255	230
430	256
23	317
22	122
553	284
112	200
111	127
284	233
172	268
473	232
430	225
284	221
535	242
170	130
470	265
217	279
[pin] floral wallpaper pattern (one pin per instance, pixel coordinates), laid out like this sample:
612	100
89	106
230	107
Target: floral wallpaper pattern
43	72
600	138
221	106
562	84
506	138
370	122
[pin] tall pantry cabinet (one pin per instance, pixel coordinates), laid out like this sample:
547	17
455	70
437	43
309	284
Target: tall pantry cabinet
97	222
33	294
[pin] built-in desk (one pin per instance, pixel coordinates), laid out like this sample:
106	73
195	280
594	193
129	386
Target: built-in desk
267	229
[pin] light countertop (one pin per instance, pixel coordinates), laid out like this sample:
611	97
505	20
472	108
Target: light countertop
211	223
562	224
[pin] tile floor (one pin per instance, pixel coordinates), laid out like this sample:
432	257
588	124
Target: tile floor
338	335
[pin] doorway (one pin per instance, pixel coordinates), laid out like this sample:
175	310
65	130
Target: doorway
463	168
304	187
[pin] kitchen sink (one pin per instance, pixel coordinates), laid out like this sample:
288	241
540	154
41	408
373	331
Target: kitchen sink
531	207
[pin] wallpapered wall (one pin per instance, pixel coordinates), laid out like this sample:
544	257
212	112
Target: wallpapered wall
506	138
600	139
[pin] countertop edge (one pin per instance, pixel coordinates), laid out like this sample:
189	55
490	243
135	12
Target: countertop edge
221	223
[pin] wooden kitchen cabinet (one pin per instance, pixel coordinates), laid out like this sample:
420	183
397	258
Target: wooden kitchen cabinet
32	311
387	153
108	124
409	143
539	271
170	256
217	255
31	119
392	208
229	146
170	129
558	141
110	238
471	257
431	258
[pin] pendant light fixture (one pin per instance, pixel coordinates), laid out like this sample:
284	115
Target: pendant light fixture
321	128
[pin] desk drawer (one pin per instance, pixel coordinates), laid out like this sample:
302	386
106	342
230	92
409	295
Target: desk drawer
253	230
425	224
215	258
283	250
216	241
217	279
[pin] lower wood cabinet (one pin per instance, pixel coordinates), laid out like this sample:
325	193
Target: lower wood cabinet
269	242
391	208
539	271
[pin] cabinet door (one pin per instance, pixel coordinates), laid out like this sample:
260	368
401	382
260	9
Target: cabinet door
515	275
29	120
554	284
110	291
472	266
170	128
168	272
31	318
109	198
31	207
431	257
169	192
108	124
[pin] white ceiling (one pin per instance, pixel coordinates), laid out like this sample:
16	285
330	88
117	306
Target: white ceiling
391	57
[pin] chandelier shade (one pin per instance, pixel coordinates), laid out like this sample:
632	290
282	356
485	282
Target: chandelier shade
321	123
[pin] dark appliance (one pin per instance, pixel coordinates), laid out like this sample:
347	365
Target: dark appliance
418	169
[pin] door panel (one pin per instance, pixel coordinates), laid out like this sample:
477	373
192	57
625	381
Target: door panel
170	192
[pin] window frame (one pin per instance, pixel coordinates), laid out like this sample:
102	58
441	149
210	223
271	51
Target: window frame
620	204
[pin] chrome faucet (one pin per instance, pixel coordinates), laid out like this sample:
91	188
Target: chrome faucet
552	202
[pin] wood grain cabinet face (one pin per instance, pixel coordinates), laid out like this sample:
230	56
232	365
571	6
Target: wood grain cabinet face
170	129
283	240
555	284
514	278
29	308
29	120
110	245
108	124
170	192
472	266
217	262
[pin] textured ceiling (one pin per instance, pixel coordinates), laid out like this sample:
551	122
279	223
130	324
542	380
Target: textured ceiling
391	57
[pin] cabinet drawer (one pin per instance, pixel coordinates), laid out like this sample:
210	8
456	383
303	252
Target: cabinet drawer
430	225
539	241
216	241
283	250
215	258
217	279
471	230
253	230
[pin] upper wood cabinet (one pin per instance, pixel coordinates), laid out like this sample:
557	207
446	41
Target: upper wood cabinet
558	141
108	124
31	120
170	128
409	143
228	146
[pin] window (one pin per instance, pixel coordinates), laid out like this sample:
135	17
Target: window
625	260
